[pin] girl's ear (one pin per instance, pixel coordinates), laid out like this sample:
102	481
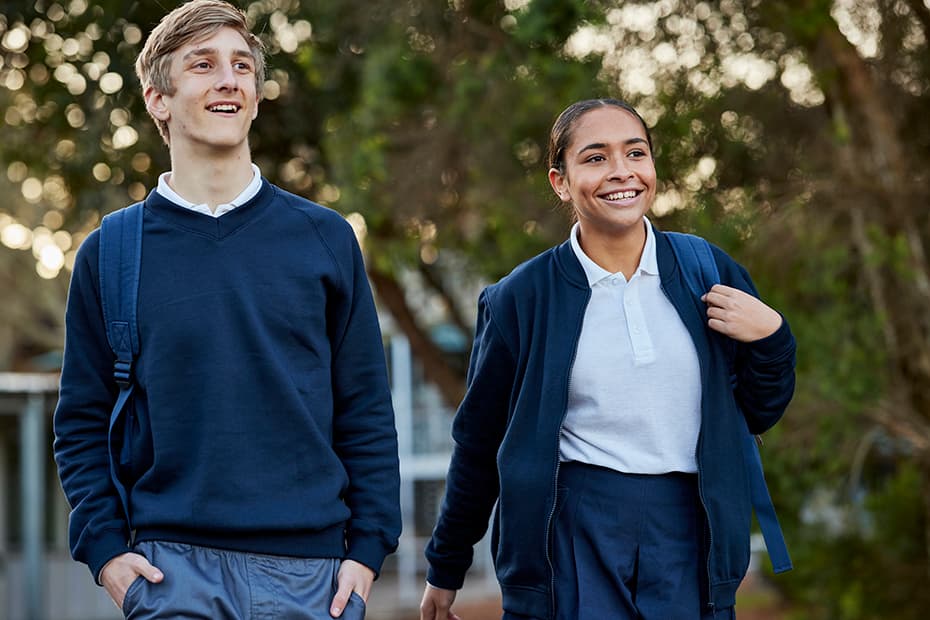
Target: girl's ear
559	184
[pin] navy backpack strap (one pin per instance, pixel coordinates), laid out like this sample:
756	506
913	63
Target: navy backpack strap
764	508
119	266
696	260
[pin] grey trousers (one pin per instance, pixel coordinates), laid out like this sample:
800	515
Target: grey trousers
214	584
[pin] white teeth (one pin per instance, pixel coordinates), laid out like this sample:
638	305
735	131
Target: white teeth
621	195
224	107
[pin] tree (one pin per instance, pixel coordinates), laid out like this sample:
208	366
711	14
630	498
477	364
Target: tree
443	150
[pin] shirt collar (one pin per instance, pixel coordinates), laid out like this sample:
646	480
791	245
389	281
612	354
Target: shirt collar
247	194
648	264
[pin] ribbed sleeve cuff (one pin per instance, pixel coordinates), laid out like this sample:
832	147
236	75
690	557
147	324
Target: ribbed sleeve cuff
774	346
111	544
370	551
443	579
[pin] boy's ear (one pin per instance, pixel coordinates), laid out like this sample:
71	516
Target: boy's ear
155	104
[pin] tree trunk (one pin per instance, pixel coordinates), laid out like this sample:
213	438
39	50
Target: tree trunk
878	155
437	370
874	165
925	493
434	279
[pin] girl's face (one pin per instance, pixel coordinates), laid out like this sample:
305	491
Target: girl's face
609	176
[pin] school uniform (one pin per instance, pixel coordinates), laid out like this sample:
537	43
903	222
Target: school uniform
567	434
261	432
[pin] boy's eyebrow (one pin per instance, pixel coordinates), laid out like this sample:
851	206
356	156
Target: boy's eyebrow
212	51
601	145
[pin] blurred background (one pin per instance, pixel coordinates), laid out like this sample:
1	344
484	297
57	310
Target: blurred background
795	135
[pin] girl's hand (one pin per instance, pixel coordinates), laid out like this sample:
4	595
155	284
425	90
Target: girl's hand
739	315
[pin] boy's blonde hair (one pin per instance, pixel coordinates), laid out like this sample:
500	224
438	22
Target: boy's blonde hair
188	23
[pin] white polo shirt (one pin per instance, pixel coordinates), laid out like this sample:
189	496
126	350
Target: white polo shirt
247	194
634	397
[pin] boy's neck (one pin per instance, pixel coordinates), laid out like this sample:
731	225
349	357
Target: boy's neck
212	181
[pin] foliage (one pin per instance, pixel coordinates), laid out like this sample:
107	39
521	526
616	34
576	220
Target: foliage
872	571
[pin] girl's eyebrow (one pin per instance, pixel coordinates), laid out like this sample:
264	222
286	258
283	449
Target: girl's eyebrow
601	145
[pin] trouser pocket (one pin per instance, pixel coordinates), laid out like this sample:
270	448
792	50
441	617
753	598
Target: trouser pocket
216	584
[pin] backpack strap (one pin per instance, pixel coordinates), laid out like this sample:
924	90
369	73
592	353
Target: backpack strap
764	508
696	260
119	266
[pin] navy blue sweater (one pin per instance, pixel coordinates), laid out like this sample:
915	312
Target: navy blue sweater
262	413
506	430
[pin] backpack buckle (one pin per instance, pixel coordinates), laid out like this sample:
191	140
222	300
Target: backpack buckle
122	372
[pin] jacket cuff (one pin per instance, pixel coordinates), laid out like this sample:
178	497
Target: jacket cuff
111	544
368	550
774	346
439	578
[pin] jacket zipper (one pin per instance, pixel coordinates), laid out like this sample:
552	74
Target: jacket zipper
710	531
555	477
700	441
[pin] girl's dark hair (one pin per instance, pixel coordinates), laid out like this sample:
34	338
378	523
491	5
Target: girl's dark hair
561	133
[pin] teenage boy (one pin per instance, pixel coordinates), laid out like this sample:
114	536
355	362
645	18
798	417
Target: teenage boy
263	479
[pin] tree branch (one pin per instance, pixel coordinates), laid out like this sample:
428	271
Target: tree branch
437	370
434	279
880	155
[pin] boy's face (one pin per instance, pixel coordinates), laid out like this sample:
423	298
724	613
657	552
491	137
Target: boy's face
215	101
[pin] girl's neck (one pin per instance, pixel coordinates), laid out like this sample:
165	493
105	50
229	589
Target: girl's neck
615	252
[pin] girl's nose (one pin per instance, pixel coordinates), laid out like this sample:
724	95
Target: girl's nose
620	170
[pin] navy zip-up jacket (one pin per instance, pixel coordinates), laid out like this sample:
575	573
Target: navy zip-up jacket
506	431
261	418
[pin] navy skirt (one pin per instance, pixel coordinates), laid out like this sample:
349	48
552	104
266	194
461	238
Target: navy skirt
629	546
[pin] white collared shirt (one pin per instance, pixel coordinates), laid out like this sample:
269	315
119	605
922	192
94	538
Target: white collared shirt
634	398
247	194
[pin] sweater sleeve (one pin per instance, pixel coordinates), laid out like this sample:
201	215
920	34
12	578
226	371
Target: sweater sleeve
763	369
98	530
472	485
364	434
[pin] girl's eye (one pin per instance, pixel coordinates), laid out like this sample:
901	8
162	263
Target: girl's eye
243	66
595	158
203	64
637	153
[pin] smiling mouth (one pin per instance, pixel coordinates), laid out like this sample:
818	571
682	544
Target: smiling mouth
624	195
227	108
